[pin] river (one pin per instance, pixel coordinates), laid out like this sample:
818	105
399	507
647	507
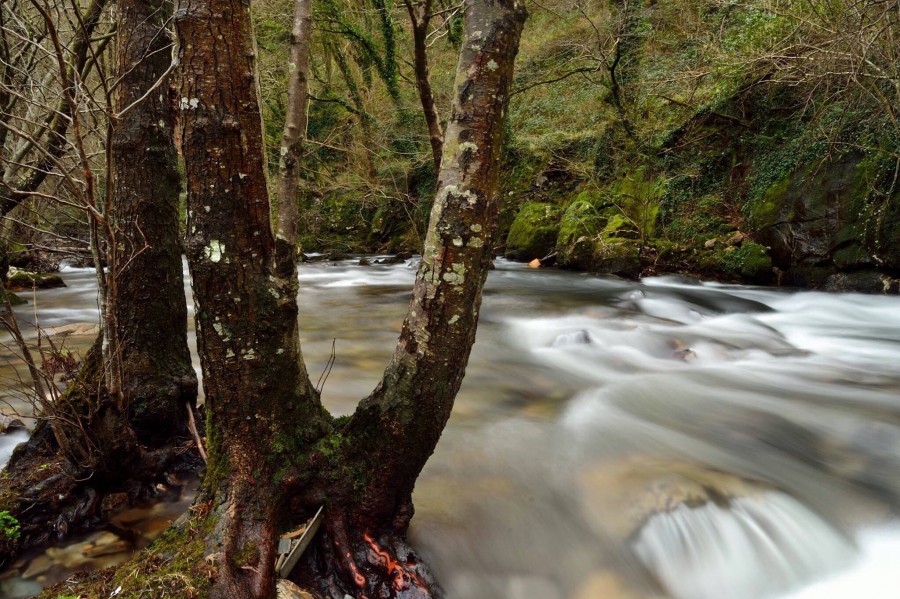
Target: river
619	440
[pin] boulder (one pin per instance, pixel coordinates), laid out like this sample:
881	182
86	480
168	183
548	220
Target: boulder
10	424
534	232
23	279
865	281
619	496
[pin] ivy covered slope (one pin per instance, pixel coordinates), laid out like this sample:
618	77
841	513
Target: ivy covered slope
753	141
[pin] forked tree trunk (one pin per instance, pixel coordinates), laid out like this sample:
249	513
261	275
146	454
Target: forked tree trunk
394	431
275	454
150	309
396	428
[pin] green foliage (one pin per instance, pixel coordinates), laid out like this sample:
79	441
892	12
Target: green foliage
9	527
581	219
722	132
752	29
637	195
382	56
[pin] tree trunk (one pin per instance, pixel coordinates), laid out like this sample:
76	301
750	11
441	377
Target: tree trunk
97	444
262	411
420	16
387	442
412	403
295	122
150	308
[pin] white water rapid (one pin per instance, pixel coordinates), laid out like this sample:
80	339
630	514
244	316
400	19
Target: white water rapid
620	440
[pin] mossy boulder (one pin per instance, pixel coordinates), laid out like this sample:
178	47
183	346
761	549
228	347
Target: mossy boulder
534	232
23	279
581	222
750	262
617	256
589	239
14	300
603	255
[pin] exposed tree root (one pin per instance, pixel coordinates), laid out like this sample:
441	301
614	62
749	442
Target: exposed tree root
52	499
366	565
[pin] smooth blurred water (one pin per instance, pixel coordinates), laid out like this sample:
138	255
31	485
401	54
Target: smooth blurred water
615	440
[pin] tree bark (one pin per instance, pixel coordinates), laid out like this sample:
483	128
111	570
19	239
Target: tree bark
150	310
386	443
295	122
98	444
412	403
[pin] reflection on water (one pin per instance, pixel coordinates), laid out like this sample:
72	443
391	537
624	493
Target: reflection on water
625	440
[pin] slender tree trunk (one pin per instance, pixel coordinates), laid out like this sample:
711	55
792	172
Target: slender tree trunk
295	123
150	309
396	429
420	16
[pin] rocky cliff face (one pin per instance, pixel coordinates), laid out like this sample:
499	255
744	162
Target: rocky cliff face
835	225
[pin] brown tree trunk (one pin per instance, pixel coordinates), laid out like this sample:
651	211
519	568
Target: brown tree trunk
97	444
275	454
420	17
150	308
262	410
396	429
295	122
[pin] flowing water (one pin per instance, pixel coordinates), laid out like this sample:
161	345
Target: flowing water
617	440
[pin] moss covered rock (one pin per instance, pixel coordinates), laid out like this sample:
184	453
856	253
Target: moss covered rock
751	261
602	255
533	234
22	279
581	222
617	256
14	300
748	263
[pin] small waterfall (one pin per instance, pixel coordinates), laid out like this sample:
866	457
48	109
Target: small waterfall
8	442
753	547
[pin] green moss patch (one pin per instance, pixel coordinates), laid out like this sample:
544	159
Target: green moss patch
533	234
